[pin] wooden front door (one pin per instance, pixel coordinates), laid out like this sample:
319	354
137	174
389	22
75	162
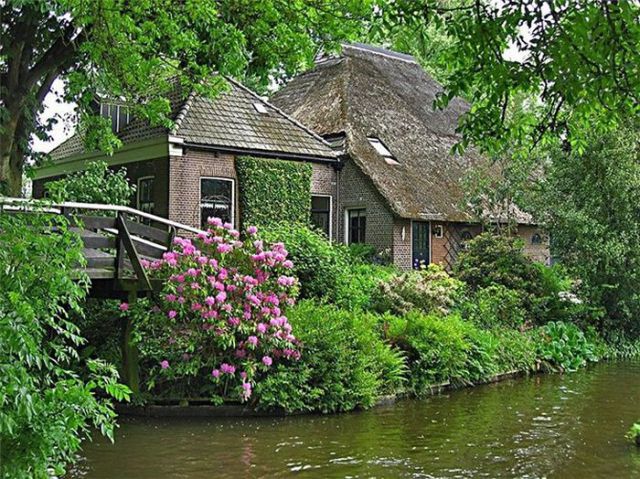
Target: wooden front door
421	244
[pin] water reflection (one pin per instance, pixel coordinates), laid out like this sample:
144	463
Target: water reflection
545	426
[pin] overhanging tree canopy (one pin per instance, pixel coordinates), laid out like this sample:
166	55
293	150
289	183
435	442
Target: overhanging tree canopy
133	50
578	60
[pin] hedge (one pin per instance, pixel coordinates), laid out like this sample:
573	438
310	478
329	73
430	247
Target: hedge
273	192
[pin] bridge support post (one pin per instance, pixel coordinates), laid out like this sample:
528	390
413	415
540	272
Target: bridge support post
130	371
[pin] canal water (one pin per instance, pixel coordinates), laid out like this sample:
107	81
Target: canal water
553	426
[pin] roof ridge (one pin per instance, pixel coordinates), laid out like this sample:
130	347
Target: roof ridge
182	113
279	111
384	52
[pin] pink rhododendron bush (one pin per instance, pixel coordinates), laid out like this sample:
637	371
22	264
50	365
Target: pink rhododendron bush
219	325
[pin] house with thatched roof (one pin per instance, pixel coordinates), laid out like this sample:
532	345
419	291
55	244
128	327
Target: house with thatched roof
400	188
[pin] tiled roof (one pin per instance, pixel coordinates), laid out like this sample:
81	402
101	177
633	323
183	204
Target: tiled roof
232	120
371	92
228	121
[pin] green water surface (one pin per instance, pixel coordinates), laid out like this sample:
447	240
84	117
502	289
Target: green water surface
555	426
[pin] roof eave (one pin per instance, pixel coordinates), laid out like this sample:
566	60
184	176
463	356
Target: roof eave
331	158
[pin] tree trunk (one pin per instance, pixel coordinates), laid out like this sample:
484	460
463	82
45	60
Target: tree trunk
11	159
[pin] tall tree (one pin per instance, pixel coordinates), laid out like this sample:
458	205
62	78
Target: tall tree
591	203
134	49
577	60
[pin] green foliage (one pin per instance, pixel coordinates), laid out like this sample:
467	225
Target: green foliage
358	285
447	349
138	52
45	408
495	306
592	203
563	346
328	272
564	47
429	289
274	192
633	434
497	259
491	259
344	363
316	263
95	184
100	324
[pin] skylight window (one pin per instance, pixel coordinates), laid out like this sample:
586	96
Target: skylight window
260	108
383	151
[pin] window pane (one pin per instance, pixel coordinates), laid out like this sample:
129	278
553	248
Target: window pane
321	221
145	196
216	200
320	203
357	226
122	117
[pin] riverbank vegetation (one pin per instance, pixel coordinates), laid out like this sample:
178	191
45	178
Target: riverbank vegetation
227	328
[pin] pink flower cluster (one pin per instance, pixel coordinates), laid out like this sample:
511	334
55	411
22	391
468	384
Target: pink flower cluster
225	298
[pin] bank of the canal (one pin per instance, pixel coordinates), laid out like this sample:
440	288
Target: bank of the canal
564	426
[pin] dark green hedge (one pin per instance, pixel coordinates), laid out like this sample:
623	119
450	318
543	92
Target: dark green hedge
273	192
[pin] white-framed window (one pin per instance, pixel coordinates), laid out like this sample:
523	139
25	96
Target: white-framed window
321	206
120	115
145	200
356	225
383	151
217	196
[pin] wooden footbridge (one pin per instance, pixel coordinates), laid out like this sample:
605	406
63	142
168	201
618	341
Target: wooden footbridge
115	241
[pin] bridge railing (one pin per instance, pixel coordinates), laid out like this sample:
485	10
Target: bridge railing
115	238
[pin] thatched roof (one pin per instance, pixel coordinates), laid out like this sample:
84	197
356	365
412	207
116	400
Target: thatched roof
237	119
371	92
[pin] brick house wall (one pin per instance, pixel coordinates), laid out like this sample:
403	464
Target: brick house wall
536	251
159	170
402	253
324	182
355	190
184	182
184	185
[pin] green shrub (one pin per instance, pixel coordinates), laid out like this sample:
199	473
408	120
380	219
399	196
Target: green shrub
490	259
45	408
95	184
317	264
564	347
430	290
436	347
274	192
495	306
450	350
344	363
358	285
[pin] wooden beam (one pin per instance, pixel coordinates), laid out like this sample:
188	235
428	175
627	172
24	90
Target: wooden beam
127	242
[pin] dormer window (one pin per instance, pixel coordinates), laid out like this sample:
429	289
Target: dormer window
383	151
119	115
260	108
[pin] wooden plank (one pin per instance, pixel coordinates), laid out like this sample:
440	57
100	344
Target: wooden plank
70	205
130	248
100	273
92	222
146	249
145	231
98	259
92	240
